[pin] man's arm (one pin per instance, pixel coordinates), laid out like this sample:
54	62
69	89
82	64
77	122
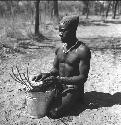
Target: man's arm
84	67
80	79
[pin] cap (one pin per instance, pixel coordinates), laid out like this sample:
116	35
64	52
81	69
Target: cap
70	22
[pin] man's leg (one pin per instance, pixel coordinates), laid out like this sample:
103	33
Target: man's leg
67	103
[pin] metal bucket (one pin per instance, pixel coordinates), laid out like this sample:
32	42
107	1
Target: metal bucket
37	103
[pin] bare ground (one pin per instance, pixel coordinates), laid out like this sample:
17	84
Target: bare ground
102	90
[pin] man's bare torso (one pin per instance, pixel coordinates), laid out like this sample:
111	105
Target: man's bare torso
69	63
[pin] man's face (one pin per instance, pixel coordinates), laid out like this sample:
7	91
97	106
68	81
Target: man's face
64	33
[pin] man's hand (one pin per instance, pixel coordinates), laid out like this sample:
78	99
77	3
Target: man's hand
37	78
44	76
51	80
35	89
41	77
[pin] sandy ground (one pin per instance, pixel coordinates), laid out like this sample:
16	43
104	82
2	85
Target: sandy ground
102	90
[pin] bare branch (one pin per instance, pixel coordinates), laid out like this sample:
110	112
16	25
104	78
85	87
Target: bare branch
16	77
21	78
20	75
28	75
28	83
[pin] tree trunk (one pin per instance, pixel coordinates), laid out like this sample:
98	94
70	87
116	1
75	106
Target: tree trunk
118	8
87	10
108	9
37	17
115	8
56	14
83	11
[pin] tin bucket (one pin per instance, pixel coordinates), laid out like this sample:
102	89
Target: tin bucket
38	102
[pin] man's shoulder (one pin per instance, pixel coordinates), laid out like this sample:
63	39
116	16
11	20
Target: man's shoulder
58	47
83	49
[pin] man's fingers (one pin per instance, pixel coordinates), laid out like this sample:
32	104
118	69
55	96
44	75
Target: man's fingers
50	78
36	79
47	81
33	78
43	78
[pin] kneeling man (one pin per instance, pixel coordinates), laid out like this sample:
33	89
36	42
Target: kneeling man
70	68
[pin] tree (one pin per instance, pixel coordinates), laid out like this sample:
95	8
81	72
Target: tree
97	7
115	3
37	17
108	8
55	7
118	8
86	8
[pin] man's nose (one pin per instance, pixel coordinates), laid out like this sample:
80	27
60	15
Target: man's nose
60	34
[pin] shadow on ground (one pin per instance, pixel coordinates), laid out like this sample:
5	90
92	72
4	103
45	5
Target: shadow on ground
94	100
91	23
112	21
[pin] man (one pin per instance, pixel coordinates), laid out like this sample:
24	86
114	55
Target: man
70	68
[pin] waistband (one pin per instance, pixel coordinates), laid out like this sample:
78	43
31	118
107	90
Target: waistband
77	87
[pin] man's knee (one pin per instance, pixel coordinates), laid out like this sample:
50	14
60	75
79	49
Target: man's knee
54	114
57	113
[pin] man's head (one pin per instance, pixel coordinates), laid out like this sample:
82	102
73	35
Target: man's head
67	27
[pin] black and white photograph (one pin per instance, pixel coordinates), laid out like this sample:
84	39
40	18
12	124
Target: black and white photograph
60	62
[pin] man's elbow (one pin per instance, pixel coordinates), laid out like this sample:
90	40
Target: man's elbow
83	78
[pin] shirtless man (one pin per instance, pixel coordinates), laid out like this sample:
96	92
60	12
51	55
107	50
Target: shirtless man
70	68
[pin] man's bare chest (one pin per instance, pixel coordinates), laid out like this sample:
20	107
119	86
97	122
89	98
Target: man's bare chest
71	58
